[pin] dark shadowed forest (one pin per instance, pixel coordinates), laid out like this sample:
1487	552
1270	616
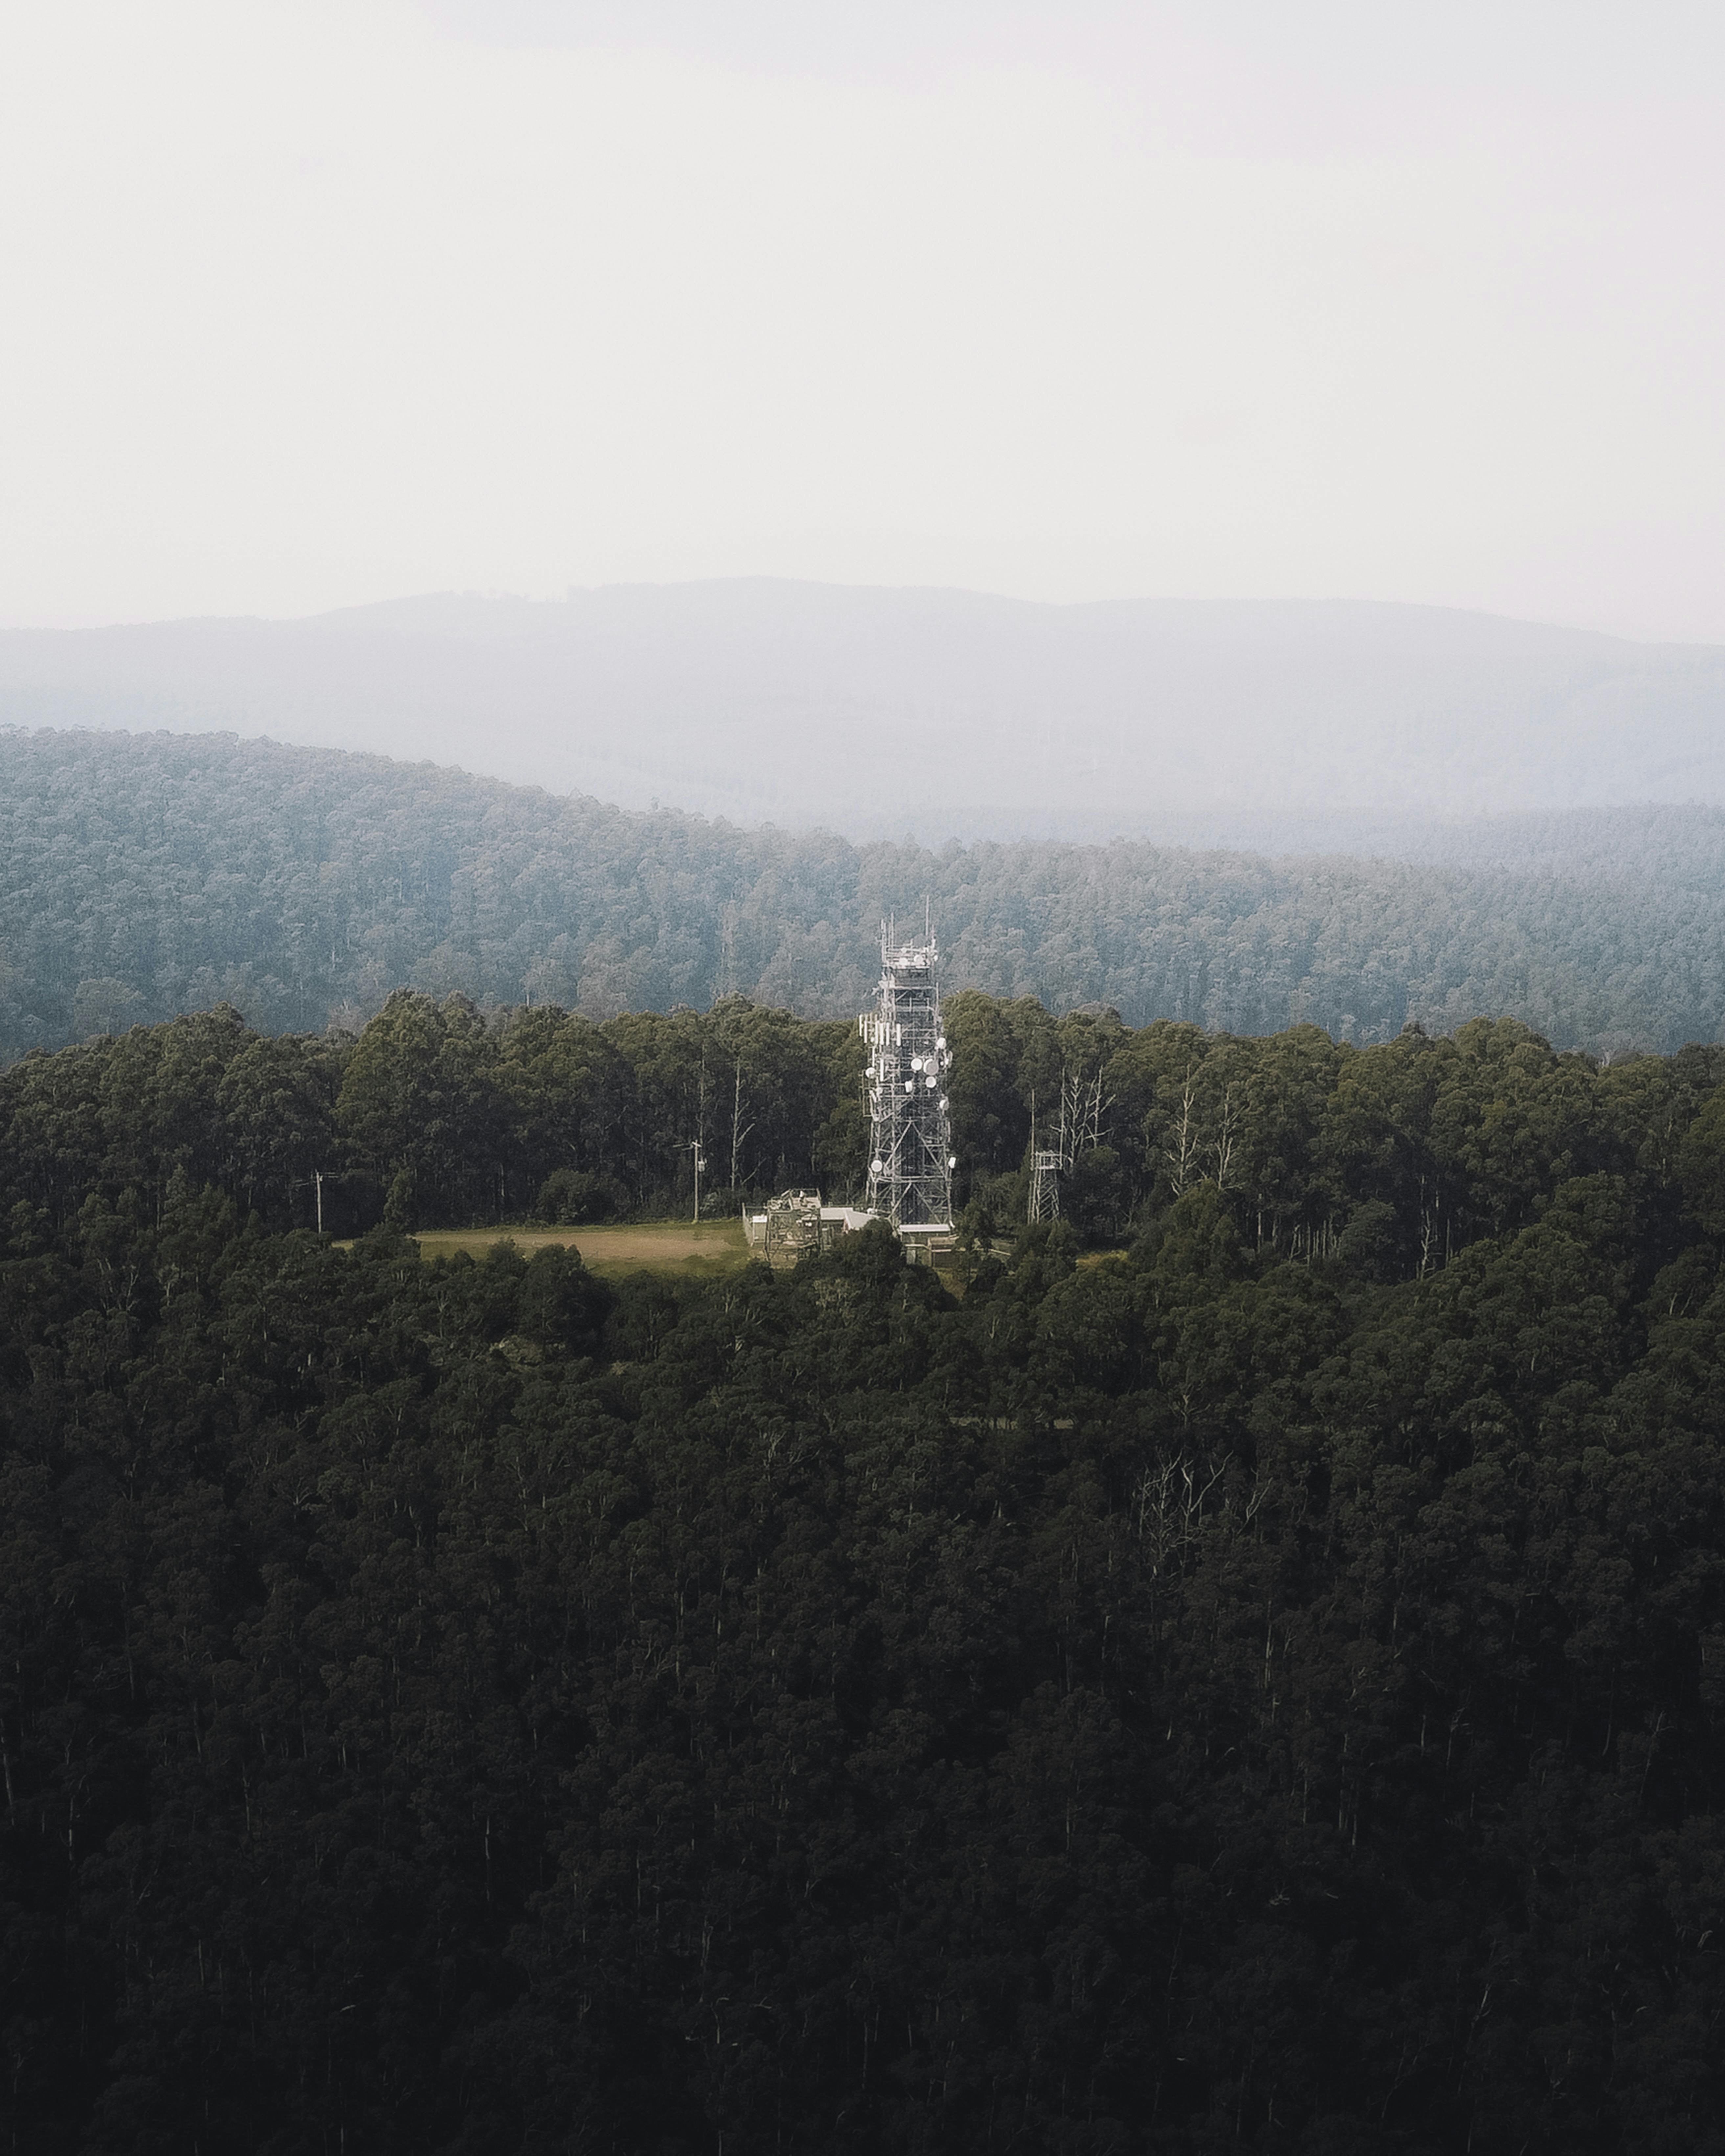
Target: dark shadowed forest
1260	1689
144	876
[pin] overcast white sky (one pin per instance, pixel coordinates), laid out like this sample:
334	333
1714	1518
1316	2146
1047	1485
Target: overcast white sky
303	305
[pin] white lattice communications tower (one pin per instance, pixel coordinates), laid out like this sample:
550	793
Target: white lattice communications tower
911	1157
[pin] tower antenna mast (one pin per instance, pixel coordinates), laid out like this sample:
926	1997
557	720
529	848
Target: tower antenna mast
910	1159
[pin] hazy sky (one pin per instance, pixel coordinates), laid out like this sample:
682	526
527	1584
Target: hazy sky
309	303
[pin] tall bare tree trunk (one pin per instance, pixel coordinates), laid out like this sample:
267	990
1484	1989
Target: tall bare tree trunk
1180	1154
739	1129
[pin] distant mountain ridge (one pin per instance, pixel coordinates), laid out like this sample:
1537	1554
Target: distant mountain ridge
873	710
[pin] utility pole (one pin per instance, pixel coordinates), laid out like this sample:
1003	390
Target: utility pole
699	1163
317	1178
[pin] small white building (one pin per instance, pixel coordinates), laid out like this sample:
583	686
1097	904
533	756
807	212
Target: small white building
796	1221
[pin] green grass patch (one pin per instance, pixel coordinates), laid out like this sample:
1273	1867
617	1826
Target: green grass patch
677	1246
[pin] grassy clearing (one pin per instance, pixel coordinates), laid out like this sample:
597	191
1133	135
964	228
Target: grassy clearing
716	1246
660	1246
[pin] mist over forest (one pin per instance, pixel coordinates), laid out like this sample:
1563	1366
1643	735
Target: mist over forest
1274	726
149	874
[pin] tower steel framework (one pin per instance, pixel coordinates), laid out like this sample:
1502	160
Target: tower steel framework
1046	1163
910	1156
1045	1167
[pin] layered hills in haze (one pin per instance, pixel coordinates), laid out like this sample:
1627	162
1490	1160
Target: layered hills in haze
947	713
148	875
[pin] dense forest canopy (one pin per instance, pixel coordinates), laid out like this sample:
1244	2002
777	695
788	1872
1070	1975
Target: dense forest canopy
144	876
1238	1669
1262	1689
438	1115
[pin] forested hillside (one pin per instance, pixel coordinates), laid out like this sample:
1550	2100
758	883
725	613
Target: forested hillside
142	875
1261	1691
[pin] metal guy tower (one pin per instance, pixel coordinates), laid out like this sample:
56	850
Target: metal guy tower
910	1156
